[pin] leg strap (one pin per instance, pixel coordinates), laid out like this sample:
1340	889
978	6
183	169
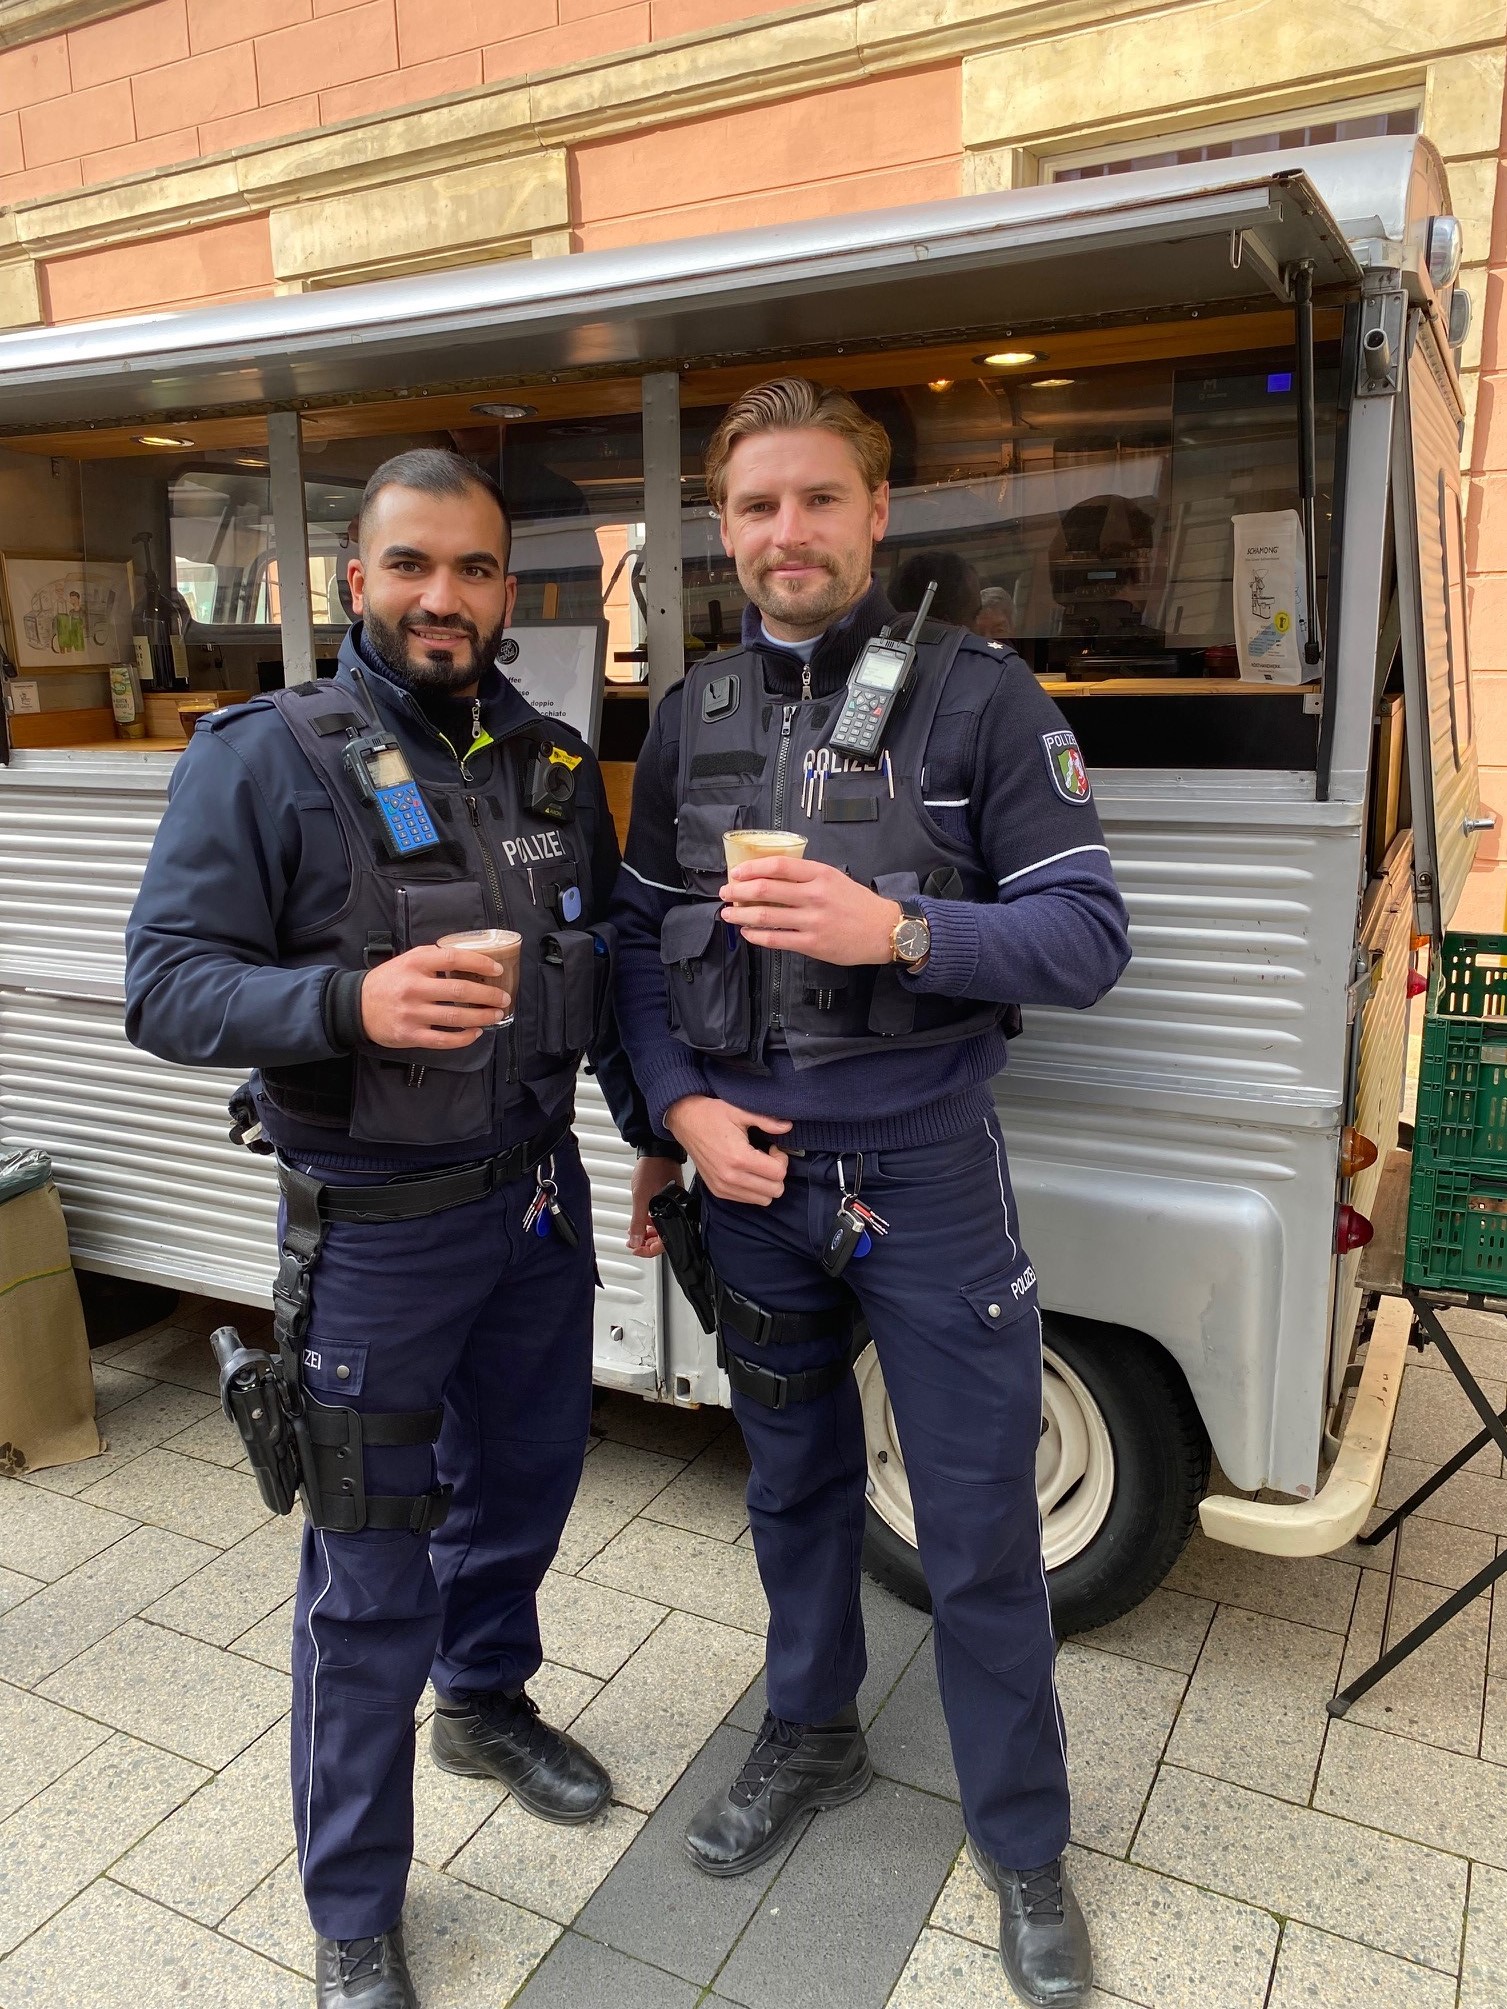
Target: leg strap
339	1499
784	1328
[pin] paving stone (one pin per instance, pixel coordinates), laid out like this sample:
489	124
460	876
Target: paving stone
111	1946
56	1844
1433	1552
1159	1941
172	1691
68	1616
1309	1590
1436	1797
14	1587
466	1947
546	1868
908	1738
184	1494
838	1923
673	1431
1483	1972
1168	1629
1254	1711
590	1626
1315	1967
1331	1873
215	1438
447	1810
1468	1500
1119	1714
173	1354
895	1632
39	1741
1435	1419
237	1588
44	1535
1478	1338
1438	1692
652	1718
219	1845
562	1693
948	1973
271	1640
137	1426
618	1481
112	1386
654	1906
688	1572
578	1971
274	1921
708	1496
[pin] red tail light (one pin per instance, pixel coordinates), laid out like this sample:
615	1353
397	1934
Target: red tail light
1356	1152
1418	983
1351	1230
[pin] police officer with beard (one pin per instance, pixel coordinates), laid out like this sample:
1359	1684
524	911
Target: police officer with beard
434	1300
821	1033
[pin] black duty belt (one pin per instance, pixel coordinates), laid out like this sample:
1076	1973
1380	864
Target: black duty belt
412	1195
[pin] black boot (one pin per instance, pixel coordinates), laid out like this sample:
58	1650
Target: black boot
1043	1935
792	1769
503	1737
371	1973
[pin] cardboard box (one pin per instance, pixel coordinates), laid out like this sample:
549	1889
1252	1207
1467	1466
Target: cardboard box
46	1383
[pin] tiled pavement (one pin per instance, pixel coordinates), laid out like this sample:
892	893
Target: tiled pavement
1233	1846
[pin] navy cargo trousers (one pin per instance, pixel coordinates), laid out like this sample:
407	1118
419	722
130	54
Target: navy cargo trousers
950	1300
463	1309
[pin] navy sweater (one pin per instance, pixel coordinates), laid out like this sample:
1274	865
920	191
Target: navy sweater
1057	935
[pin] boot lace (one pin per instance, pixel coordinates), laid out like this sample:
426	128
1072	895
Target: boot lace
518	1715
360	1959
774	1745
1041	1891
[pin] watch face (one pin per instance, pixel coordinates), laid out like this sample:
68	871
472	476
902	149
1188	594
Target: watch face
912	939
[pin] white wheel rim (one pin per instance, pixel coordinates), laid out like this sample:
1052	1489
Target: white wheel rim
1075	1460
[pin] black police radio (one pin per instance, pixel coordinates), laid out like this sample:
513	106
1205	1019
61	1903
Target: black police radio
384	781
878	685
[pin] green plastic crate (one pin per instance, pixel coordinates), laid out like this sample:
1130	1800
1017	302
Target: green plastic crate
1457	1229
1462	1079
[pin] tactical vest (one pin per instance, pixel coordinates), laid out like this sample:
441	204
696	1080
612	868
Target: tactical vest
748	760
500	865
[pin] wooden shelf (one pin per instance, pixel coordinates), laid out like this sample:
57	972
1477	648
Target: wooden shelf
1171	687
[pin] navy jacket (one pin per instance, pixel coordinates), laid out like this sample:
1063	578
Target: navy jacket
249	847
1057	935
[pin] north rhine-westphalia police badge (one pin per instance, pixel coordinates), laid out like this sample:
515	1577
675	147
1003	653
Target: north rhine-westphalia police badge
1065	765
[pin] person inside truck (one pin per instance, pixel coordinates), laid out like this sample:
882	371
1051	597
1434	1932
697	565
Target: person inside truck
820	1033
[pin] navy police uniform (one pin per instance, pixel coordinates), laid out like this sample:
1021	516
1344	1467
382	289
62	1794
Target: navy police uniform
441	1322
981	820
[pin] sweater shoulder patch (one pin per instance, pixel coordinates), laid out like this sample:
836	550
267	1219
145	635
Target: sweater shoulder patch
1065	765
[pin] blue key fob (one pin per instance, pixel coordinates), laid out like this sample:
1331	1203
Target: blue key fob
865	1243
570	904
544	1227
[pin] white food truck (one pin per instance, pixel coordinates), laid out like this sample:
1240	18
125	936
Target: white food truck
1099	392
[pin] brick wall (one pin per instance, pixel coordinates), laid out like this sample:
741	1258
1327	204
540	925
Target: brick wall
169	82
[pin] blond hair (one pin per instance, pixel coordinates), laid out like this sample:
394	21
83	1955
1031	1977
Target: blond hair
786	404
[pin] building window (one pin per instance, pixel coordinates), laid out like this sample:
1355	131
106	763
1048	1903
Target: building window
1367	119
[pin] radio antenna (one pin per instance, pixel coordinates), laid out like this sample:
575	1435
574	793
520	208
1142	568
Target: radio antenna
921	613
371	703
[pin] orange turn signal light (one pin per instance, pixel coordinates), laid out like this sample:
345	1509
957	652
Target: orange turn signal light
1351	1230
1422	941
1356	1152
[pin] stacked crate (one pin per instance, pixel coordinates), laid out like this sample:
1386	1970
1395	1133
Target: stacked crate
1457	1203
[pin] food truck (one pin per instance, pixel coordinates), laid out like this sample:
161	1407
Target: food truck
1189	437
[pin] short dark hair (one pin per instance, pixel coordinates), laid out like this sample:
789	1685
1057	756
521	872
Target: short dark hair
433	470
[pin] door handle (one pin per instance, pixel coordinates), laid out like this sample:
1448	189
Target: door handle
1473	823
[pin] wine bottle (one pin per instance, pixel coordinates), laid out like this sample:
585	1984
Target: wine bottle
157	629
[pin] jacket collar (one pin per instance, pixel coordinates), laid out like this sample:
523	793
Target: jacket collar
504	711
834	655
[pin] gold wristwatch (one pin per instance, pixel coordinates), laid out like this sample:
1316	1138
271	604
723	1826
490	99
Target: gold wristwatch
910	938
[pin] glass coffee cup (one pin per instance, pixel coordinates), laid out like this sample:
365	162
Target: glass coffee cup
739	846
505	947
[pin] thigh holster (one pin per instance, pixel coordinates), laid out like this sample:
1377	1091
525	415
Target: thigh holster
786	1328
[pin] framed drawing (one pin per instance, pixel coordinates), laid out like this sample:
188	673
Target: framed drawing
66	614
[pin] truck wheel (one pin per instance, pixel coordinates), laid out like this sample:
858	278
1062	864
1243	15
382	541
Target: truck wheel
1123	1464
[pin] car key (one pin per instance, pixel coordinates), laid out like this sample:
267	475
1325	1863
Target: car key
849	1232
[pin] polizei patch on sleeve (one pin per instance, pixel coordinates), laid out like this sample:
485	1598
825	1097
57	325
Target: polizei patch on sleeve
1065	765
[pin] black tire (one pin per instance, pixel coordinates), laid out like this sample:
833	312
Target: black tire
1161	1453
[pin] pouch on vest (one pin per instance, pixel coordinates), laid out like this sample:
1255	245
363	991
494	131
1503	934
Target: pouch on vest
706	976
699	830
567	992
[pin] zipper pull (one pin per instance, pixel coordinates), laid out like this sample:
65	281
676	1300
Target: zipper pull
787	722
805	680
475	720
473	812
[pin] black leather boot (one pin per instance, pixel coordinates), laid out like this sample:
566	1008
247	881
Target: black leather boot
1043	1935
503	1737
792	1769
369	1973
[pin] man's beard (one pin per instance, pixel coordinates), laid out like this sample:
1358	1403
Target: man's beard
439	671
805	609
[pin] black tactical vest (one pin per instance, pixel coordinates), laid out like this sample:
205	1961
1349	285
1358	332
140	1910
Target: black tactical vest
748	760
500	865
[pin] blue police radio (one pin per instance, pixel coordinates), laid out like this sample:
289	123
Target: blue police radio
384	781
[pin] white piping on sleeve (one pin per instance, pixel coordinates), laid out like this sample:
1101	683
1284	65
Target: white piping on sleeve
1072	852
944	802
658	884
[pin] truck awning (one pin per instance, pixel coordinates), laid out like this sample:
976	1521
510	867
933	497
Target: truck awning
1210	235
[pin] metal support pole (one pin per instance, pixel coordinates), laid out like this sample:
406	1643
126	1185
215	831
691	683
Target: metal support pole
290	542
662	535
1302	293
